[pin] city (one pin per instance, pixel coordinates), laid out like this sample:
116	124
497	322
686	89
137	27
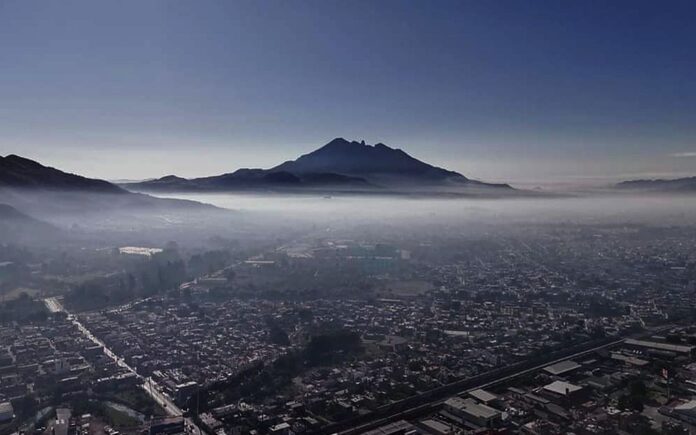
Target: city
347	217
463	334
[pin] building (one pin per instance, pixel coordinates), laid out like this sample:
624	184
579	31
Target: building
184	391
473	412
6	412
393	343
167	425
628	359
281	428
659	346
564	392
62	422
436	427
686	412
562	368
484	396
401	427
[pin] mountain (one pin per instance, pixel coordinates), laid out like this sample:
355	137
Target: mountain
678	185
378	162
339	165
21	178
65	199
19	172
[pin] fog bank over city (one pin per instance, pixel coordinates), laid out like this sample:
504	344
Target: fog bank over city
656	209
192	217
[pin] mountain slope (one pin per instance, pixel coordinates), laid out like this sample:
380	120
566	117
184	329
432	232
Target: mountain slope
25	180
65	200
19	172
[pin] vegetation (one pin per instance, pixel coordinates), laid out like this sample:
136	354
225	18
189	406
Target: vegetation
111	416
325	347
161	272
276	334
636	397
136	398
23	309
262	381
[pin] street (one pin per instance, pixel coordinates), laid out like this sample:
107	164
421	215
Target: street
149	385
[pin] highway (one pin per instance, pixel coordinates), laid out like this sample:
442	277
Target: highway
149	385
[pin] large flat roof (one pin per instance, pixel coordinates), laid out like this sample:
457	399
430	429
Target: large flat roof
690	405
483	395
437	426
401	426
629	359
472	408
688	408
562	367
679	348
562	388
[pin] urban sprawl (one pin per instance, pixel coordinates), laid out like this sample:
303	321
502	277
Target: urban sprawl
586	329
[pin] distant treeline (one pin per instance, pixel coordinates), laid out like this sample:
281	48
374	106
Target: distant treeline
145	277
23	309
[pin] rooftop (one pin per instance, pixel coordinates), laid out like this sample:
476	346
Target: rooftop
661	346
562	367
562	388
689	407
483	395
471	407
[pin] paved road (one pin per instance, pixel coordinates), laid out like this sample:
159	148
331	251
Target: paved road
53	305
150	386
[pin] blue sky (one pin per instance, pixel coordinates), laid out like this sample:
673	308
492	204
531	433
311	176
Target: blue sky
500	90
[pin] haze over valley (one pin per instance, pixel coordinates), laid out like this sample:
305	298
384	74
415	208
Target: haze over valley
340	218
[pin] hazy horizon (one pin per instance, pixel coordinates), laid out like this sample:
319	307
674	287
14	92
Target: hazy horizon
498	91
559	182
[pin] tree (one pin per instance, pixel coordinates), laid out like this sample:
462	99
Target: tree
638	388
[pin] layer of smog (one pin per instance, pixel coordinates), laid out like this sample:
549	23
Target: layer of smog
343	218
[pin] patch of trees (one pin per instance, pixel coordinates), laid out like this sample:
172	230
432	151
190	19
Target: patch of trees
111	416
635	399
328	346
162	272
602	307
263	381
23	309
208	262
276	334
25	407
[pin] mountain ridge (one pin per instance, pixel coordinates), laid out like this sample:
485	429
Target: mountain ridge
339	165
360	159
684	184
62	199
20	172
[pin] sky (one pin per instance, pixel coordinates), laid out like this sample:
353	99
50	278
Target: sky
517	91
